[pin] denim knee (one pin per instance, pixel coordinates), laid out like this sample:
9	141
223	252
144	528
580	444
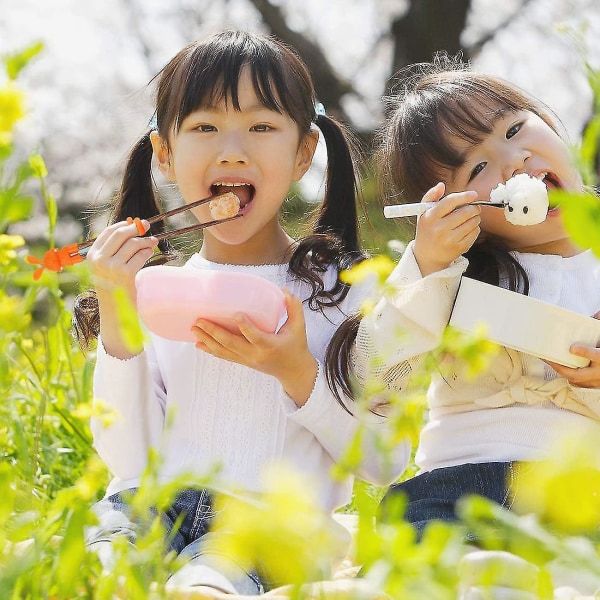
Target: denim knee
434	495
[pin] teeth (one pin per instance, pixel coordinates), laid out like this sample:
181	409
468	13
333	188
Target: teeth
542	176
228	184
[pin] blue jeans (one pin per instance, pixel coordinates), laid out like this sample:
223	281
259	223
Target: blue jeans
193	511
433	495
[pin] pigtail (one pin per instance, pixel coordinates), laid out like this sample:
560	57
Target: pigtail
135	198
335	231
338	359
338	214
335	240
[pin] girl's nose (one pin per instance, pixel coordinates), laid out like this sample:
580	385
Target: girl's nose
516	163
233	151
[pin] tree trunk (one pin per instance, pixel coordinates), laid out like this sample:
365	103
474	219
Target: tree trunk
329	85
426	28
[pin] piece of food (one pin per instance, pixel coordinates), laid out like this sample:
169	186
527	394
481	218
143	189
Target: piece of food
525	199
224	206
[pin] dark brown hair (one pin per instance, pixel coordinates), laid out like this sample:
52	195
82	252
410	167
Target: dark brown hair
208	71
437	104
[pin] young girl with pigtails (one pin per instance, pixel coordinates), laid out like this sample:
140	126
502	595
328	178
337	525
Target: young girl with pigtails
234	112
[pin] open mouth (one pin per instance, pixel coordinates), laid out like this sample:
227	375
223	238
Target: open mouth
244	191
552	183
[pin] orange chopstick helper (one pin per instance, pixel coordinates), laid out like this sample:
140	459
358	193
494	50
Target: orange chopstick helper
56	259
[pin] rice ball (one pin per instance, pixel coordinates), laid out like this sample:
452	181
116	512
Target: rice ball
525	199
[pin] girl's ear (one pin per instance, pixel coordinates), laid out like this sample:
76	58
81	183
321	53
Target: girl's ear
305	153
163	155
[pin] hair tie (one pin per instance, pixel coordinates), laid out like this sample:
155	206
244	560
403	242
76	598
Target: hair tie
320	109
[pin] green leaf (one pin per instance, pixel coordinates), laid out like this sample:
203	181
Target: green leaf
72	550
16	62
13	209
38	166
581	217
52	211
7	498
589	150
132	332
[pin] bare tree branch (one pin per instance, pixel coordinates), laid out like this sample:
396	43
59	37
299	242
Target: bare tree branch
474	49
330	86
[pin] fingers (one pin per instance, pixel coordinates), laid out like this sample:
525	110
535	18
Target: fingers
119	249
446	230
211	337
250	346
115	235
295	312
435	193
446	205
586	377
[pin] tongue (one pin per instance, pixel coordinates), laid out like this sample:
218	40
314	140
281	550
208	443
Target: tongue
243	192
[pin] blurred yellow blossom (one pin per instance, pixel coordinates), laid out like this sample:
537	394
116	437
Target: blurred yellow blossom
8	243
474	350
13	313
283	530
38	166
92	480
380	265
12	108
565	489
98	410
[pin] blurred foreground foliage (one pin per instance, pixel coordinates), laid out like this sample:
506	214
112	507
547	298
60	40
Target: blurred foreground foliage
50	476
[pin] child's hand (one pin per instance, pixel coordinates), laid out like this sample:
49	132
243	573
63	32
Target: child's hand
114	258
445	231
284	355
586	377
117	254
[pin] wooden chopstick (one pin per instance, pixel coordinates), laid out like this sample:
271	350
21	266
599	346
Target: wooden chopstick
183	208
167	234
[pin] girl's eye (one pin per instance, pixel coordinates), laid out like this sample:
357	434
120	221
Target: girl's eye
477	170
205	128
261	127
513	130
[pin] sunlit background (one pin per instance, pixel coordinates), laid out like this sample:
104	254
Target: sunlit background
87	90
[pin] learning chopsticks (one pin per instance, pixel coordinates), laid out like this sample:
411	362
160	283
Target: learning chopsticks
418	208
56	259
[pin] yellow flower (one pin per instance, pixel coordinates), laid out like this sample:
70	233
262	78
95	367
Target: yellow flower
97	409
12	108
273	528
13	315
570	478
8	243
92	480
380	265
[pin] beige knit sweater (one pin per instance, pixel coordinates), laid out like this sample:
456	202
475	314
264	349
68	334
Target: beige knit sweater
519	407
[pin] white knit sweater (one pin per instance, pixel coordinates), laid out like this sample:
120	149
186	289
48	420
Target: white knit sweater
227	416
517	408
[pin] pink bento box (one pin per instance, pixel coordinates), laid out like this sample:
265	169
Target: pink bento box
171	299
